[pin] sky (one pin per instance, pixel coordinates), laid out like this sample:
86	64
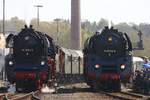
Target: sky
136	11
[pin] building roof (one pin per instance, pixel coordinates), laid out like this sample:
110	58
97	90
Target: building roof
137	59
74	53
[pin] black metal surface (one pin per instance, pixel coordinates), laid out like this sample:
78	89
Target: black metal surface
108	44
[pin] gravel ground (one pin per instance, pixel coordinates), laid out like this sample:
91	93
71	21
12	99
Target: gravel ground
76	96
75	92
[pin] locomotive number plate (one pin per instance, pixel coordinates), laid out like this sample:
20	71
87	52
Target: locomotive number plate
27	50
110	51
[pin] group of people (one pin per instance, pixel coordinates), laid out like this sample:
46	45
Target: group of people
142	78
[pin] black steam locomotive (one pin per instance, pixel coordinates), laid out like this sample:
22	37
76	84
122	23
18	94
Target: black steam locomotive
107	59
31	61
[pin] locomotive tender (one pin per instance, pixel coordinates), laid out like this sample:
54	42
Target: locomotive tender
108	59
31	61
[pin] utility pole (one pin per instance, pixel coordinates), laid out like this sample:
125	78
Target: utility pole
3	67
57	26
4	17
38	19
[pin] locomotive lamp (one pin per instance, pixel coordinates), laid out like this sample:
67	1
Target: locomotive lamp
27	38
122	67
110	39
10	63
42	62
97	66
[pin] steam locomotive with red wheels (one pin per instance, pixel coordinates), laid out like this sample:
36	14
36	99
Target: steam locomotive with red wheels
108	59
31	61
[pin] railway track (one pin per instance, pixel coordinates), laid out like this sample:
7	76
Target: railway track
127	96
74	92
20	96
116	95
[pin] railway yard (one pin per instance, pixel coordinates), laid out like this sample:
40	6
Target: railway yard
71	86
74	58
57	73
78	91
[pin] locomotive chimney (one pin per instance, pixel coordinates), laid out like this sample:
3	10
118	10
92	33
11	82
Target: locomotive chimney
31	26
75	24
112	28
25	26
106	27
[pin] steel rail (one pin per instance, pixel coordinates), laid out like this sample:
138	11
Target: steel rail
20	96
124	95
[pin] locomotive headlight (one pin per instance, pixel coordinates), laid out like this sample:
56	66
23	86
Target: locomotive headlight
110	39
122	66
97	66
10	63
42	62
